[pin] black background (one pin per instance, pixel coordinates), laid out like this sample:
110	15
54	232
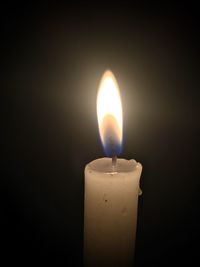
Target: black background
53	57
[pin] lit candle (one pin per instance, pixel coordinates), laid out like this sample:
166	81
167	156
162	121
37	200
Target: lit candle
111	188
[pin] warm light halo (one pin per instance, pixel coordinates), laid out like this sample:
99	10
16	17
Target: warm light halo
109	109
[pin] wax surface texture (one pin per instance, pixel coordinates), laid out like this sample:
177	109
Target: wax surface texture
110	212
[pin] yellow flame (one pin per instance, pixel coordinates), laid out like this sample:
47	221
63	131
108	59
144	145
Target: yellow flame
109	107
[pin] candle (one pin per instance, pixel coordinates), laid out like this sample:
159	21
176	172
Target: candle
111	188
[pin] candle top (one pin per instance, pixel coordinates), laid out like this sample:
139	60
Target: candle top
104	165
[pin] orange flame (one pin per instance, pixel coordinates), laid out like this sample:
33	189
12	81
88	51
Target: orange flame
109	112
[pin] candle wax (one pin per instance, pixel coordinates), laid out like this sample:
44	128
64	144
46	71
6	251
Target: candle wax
110	212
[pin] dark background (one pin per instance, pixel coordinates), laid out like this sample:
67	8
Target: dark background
53	57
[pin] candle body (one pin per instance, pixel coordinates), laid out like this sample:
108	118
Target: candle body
110	212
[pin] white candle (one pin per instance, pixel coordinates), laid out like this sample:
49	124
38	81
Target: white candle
111	200
111	189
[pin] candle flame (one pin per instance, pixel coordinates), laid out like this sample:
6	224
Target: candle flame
109	114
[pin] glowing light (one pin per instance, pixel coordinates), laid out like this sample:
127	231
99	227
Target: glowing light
109	114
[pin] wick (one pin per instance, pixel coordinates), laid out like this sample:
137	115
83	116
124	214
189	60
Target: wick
114	163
